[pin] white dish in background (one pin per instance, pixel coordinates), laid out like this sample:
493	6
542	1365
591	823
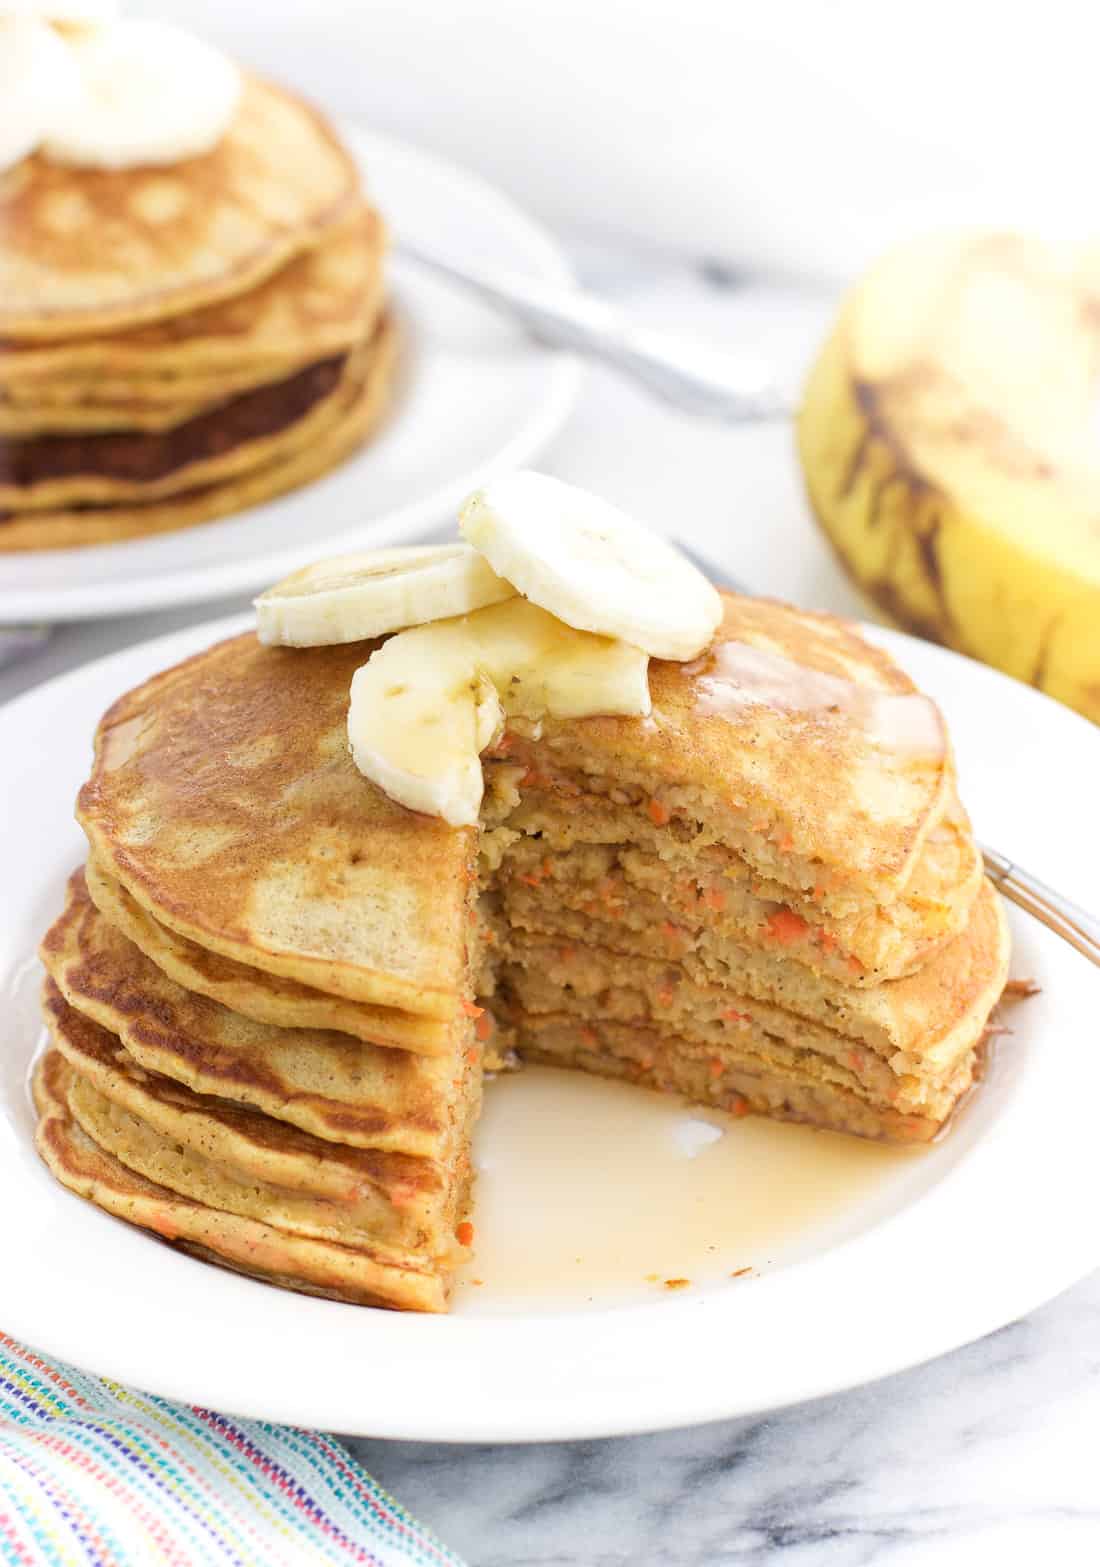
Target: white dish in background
474	395
932	1250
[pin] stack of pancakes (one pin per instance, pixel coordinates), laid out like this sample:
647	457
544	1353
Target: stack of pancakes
177	343
261	997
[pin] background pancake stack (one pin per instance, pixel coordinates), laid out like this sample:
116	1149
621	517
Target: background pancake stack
180	342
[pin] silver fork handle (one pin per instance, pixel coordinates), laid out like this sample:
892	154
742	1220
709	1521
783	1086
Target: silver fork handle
686	374
1059	914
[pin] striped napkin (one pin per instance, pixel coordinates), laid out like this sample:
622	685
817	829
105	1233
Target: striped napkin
93	1474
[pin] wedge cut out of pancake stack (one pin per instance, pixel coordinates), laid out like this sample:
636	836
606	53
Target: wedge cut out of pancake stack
192	313
275	989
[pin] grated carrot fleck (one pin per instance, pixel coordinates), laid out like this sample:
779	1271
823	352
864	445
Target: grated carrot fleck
484	1026
659	813
464	1233
785	927
470	1009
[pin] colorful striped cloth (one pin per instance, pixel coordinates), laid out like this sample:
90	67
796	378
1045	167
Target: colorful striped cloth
93	1474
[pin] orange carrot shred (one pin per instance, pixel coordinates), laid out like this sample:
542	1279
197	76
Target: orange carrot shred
470	1009
716	1068
464	1233
785	927
659	813
484	1026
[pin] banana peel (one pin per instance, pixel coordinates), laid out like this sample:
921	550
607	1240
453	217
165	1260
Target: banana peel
950	442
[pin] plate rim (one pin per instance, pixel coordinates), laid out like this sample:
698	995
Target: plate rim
169	588
446	1340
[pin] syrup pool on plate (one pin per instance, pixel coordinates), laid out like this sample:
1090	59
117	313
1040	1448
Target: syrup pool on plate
594	1193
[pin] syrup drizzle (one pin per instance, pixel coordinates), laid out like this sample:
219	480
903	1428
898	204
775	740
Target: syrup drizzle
736	676
596	1193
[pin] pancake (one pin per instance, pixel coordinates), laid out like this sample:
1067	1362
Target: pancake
683	902
265	998
228	1156
354	411
729	1030
324	1082
223	797
765	898
322	302
919	1025
245	432
87	251
249	1246
753	1083
792	743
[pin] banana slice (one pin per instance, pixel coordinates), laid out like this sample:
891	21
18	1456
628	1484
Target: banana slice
150	93
432	699
353	597
591	565
38	81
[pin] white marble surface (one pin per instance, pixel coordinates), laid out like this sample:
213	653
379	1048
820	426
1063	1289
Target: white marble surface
989	1455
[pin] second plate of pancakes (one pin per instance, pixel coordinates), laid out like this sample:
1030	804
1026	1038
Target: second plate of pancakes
910	1256
470	394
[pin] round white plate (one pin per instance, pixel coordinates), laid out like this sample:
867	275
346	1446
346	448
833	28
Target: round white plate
969	1235
474	395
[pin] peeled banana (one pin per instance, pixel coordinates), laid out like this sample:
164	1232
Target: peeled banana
950	441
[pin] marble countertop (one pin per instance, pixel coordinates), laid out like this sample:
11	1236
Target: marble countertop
988	1455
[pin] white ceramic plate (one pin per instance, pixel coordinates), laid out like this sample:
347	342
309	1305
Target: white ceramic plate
474	395
959	1240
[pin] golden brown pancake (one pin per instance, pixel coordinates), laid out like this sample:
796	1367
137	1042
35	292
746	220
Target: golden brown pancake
322	302
920	1024
229	1156
327	1083
338	430
249	431
245	1245
87	251
224	799
263	997
792	742
765	898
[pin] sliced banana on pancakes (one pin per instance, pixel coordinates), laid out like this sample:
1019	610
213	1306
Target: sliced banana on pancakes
353	597
432	699
552	608
39	80
591	565
149	93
